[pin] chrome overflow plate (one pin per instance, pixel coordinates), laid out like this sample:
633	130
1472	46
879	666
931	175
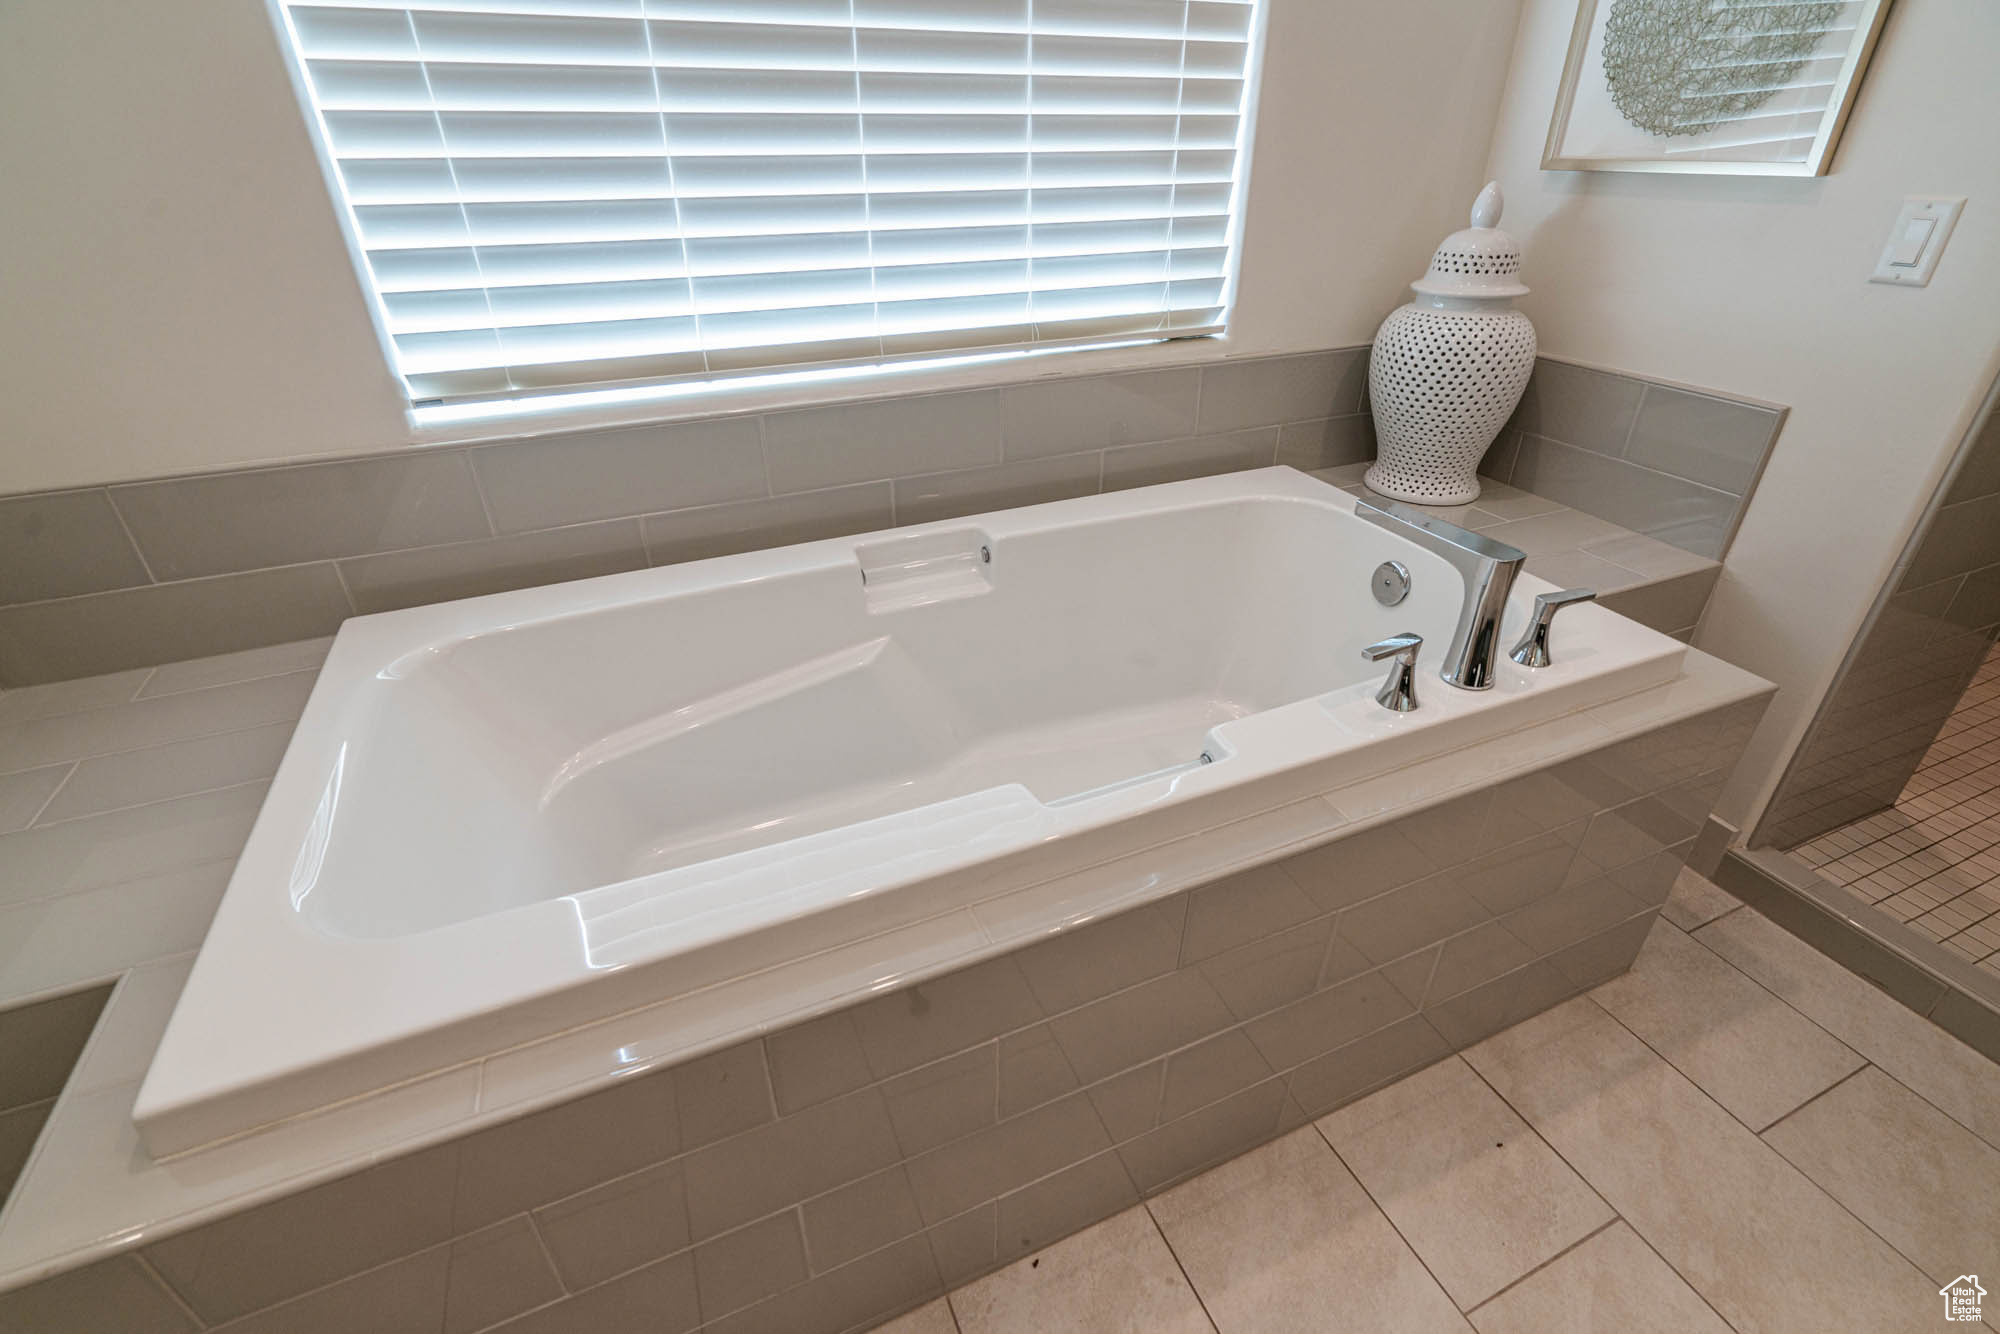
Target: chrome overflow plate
1390	582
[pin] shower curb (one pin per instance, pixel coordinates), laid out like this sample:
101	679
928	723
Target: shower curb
1919	975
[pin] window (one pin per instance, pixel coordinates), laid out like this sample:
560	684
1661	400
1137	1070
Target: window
555	194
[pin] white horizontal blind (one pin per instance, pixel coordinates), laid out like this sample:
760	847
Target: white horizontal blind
555	193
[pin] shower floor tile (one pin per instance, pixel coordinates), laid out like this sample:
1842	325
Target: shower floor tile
1932	860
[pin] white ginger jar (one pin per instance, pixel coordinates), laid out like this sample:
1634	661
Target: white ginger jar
1448	368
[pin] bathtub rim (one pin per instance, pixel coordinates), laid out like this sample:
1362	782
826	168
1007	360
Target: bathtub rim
543	995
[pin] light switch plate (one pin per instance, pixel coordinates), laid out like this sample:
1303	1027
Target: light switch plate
1942	213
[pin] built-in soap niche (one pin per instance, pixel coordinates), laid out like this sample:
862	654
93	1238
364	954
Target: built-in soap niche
39	1047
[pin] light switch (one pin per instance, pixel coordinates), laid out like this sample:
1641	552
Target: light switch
1916	240
1909	247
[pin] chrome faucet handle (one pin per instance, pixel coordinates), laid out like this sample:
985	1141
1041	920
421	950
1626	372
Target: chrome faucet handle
1533	650
1487	569
1399	693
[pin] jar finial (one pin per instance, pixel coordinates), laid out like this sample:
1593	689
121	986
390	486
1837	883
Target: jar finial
1486	208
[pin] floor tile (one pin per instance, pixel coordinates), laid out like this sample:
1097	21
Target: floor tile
1926	1183
1696	900
1614	1281
1117	1275
1285	1239
1766	1247
1951	1075
1744	1047
1478	1194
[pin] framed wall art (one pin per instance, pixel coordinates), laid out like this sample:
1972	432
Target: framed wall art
1738	87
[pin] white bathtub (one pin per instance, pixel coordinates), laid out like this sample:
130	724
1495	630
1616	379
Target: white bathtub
504	817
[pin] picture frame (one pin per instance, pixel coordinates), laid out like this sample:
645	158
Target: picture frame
1717	87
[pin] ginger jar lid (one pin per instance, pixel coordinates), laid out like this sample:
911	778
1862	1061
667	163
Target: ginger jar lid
1481	261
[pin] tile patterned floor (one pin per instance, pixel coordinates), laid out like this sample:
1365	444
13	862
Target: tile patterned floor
1932	860
1736	1135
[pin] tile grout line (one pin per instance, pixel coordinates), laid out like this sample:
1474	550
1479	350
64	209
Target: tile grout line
173	1294
1862	1069
340	577
140	805
1624	454
142	696
1536	1131
231	730
1644	468
1187	1278
125	527
216	577
174	740
764	453
1675	1067
48	801
1673	1269
1804	1175
1609	1223
227	859
1869	1227
479	493
548	1256
1376	1204
39	823
1637	1231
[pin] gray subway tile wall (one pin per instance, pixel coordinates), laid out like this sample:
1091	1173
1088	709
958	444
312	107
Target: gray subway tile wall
546	483
61	543
808	516
809	449
947	495
1071	416
396	579
1668	462
192	618
224	522
98	579
831	1174
1909	668
95	580
1275	390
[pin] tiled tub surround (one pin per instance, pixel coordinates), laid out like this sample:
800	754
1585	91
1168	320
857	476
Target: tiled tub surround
1657	585
108	578
836	1170
1736	1135
1670	461
851	738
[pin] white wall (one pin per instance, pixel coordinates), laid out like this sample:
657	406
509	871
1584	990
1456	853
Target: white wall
1760	287
178	296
